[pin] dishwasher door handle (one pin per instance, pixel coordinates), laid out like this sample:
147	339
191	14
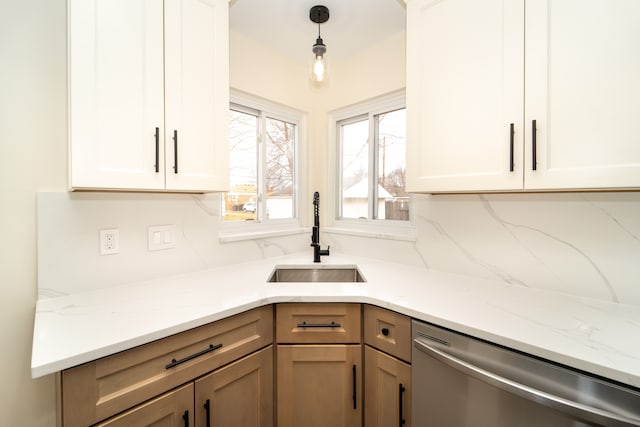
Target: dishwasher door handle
585	412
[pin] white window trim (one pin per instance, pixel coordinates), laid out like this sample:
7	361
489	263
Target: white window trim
246	230
385	229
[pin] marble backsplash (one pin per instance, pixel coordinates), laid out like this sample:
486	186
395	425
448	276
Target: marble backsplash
69	224
585	244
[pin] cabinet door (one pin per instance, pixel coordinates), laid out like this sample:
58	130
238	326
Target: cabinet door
197	94
387	390
319	385
115	94
173	409
238	395
465	62
583	90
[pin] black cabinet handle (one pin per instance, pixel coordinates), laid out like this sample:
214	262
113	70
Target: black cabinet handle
534	150
318	325
175	362
385	331
207	408
157	136
175	151
355	395
401	419
185	417
511	134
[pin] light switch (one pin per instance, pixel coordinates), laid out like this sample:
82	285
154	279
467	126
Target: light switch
162	237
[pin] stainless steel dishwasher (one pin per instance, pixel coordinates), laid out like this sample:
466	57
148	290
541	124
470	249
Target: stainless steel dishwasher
460	381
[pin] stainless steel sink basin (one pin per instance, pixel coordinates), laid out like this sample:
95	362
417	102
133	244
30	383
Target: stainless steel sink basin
319	274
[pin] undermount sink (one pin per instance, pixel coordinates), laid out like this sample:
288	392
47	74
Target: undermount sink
319	274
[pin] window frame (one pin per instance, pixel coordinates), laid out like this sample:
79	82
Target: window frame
369	227
263	227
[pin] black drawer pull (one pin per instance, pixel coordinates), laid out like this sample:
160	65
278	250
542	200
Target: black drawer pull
175	362
385	331
355	394
511	136
185	417
175	151
157	137
401	419
534	148
207	408
318	325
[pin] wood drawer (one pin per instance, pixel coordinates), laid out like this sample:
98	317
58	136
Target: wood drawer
104	387
388	331
307	323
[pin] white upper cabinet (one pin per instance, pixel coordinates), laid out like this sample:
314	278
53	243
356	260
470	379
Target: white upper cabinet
480	73
140	73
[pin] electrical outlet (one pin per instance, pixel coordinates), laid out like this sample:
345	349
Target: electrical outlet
109	241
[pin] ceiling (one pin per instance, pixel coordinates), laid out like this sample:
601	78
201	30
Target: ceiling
284	25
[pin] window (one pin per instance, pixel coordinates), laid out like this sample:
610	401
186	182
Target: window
264	140
371	158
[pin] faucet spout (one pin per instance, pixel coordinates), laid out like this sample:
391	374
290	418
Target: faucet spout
315	231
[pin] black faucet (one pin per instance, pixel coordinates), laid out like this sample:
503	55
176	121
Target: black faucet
315	234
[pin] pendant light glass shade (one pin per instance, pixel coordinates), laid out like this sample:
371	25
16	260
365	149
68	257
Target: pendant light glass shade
320	64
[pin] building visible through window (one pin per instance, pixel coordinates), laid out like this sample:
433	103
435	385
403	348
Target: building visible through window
372	157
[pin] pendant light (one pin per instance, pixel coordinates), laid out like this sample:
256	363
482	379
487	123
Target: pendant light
319	69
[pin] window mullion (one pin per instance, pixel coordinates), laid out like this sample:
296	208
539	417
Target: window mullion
340	169
373	167
262	200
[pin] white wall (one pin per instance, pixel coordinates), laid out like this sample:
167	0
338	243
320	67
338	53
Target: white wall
33	146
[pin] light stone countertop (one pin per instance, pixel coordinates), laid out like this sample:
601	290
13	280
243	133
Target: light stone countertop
591	335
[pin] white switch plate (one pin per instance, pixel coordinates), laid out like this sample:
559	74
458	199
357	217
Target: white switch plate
162	237
109	241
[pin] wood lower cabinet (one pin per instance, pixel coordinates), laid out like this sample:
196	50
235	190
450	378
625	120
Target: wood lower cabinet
319	364
319	385
387	390
238	395
387	369
100	389
222	374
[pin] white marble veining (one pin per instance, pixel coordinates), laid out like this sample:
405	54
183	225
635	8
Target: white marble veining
68	226
583	244
589	334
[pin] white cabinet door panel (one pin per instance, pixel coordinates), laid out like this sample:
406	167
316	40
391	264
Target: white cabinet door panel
197	94
115	93
583	90
464	89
